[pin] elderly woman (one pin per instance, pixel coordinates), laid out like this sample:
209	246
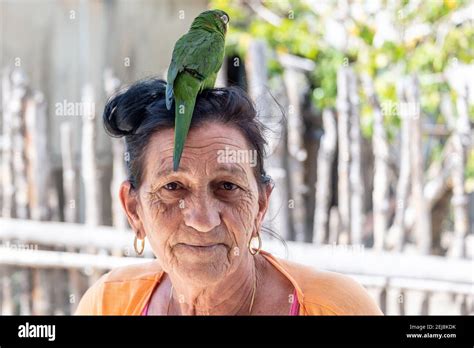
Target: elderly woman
203	222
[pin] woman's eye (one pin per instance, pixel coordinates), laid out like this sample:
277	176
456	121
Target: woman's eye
172	186
228	186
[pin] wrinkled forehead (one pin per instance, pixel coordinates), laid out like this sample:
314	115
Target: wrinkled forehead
209	149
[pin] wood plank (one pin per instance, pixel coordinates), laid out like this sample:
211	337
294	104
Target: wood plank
65	234
42	259
349	260
344	259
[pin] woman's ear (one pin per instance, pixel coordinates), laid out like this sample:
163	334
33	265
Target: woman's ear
129	200
263	204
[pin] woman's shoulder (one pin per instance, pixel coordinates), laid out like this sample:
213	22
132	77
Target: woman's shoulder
338	294
329	293
147	270
119	290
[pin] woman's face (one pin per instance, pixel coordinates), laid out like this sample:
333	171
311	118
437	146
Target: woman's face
200	218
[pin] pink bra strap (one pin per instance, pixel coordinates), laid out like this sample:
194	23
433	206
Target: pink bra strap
295	305
145	310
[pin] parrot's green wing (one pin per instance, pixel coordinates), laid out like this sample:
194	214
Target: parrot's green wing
197	57
198	52
185	93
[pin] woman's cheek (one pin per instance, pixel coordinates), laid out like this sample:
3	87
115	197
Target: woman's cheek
165	208
162	223
246	209
162	216
239	217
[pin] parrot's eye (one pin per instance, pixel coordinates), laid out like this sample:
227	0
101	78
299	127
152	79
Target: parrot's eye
225	19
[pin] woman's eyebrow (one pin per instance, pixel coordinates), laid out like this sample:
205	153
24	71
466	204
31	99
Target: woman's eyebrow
232	169
168	171
229	169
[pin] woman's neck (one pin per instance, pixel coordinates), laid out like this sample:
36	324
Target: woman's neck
231	296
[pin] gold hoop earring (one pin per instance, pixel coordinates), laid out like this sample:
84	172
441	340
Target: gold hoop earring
252	250
135	246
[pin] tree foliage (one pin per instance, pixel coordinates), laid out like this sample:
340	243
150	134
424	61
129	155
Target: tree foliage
382	39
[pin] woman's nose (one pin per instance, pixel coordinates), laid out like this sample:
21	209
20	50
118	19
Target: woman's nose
201	213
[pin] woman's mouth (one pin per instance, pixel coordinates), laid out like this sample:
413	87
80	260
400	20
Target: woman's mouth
200	248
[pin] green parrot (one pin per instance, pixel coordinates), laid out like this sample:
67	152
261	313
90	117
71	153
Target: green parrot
197	58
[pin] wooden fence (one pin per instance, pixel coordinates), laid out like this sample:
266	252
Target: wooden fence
371	198
400	283
336	191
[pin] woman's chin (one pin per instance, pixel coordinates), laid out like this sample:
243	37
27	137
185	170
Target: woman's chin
205	270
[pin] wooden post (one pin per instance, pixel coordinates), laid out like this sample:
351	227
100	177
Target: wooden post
294	82
257	78
334	225
70	180
344	153
7	291
8	187
460	199
77	283
24	294
119	175
1	147
41	292
90	171
112	86
323	184
425	303
397	231
401	303
89	166
423	221
39	182
39	171
17	109
380	194
221	80
16	106
355	170
383	299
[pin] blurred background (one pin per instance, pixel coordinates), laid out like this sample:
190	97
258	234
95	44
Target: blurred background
369	104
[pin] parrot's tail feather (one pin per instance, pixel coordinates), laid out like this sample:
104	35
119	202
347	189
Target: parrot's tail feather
185	99
169	96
